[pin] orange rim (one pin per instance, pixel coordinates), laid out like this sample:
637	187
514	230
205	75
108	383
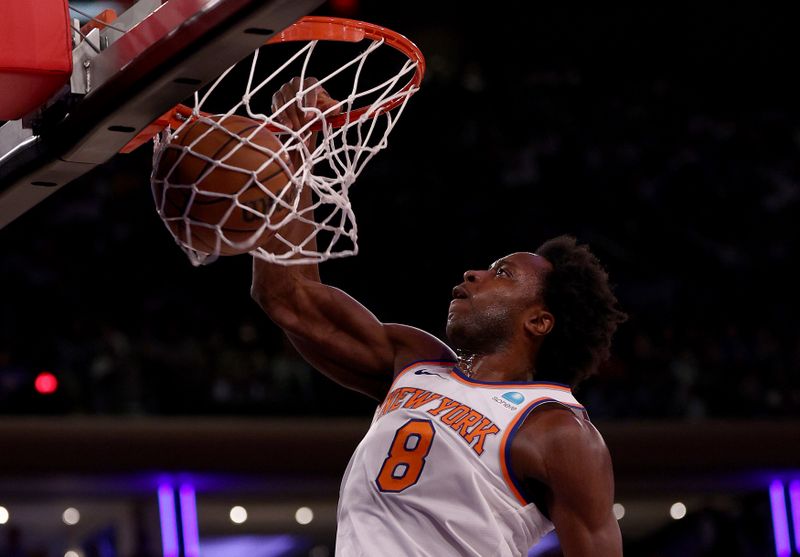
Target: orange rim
312	28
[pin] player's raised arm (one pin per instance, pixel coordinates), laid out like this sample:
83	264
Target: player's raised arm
332	331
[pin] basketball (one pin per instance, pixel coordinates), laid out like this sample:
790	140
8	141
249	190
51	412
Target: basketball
223	207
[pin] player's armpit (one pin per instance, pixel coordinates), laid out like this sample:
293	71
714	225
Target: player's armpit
568	455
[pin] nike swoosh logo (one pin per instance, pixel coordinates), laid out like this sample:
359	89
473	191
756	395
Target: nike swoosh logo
423	372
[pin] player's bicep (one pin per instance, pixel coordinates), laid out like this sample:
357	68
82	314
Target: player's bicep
332	326
581	496
341	371
344	340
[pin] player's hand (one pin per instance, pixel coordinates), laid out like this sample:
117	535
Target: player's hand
293	111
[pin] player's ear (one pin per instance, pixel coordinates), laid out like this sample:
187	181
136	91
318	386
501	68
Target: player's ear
540	322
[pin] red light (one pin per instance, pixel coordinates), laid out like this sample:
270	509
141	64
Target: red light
46	383
344	7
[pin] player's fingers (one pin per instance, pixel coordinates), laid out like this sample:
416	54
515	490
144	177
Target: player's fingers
283	102
295	109
309	101
279	100
290	106
310	97
296	115
294	99
325	102
320	98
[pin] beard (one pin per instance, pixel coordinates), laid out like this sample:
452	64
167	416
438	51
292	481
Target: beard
483	332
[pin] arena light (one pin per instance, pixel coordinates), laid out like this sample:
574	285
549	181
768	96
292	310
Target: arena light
304	515
545	546
73	553
253	546
677	510
4	516
619	511
344	7
794	498
46	383
71	516
319	551
191	538
169	524
238	515
780	523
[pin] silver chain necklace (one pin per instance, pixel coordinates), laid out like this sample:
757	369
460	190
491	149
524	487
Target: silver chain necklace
465	362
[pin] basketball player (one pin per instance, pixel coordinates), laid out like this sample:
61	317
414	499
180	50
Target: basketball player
479	455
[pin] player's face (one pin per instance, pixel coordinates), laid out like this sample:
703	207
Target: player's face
488	308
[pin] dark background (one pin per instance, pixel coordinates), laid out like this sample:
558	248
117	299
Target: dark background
665	136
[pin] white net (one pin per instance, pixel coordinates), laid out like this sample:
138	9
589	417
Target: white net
224	185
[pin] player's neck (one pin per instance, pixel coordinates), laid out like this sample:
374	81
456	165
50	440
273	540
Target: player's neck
499	367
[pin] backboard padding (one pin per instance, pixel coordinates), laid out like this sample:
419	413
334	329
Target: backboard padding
158	63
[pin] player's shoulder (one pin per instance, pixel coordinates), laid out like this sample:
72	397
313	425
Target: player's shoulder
413	344
553	435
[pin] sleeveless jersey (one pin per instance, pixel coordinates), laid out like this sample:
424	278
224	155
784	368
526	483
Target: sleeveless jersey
432	477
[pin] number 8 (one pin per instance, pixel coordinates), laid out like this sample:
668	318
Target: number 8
406	457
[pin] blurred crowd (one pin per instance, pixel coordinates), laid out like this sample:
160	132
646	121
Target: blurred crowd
681	170
667	139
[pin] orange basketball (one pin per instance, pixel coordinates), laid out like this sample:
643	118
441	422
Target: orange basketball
222	208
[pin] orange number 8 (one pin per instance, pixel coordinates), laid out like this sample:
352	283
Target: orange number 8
406	458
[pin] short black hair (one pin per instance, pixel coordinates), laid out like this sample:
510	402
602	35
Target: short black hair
577	292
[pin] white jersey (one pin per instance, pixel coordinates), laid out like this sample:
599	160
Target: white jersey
431	476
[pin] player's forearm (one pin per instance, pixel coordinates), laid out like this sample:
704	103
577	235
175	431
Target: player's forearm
277	286
279	290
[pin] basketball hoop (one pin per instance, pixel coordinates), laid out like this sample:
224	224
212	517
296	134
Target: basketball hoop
372	95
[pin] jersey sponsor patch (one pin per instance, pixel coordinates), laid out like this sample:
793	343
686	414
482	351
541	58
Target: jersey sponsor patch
510	400
514	397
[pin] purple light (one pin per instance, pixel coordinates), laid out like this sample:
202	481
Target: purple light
169	527
794	497
191	540
548	542
253	546
780	524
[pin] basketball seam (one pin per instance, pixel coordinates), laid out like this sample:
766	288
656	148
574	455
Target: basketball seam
207	164
214	156
217	152
198	240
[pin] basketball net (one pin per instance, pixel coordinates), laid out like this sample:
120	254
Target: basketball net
349	135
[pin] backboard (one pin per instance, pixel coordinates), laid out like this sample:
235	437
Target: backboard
158	53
